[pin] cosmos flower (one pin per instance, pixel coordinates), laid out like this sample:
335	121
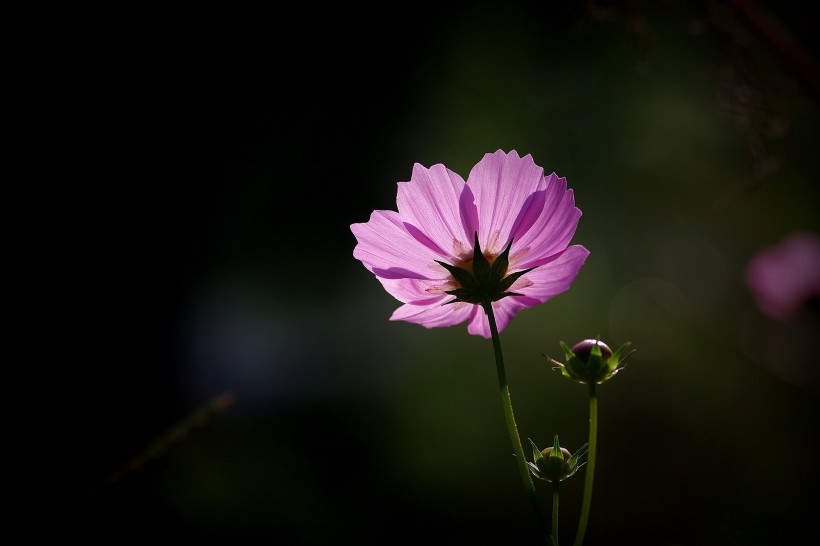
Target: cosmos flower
785	278
519	219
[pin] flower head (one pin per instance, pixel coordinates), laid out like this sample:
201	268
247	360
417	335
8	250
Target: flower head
500	238
785	278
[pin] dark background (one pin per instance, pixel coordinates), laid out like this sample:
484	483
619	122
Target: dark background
244	383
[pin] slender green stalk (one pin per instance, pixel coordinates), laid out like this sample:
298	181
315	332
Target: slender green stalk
555	513
512	429
590	472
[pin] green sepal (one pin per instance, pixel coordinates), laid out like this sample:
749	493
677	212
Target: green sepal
461	275
568	354
462	294
501	263
537	456
595	364
535	471
573	460
506	294
508	281
481	267
556	452
616	356
536	453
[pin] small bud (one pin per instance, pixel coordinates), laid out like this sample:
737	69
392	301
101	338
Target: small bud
555	464
591	360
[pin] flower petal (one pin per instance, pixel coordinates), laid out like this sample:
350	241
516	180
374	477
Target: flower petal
502	185
552	231
415	291
504	310
432	203
434	315
554	277
387	249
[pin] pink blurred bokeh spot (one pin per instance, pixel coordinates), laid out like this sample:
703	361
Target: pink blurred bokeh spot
785	279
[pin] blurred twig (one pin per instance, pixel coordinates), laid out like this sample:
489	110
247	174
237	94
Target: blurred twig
750	91
782	42
175	433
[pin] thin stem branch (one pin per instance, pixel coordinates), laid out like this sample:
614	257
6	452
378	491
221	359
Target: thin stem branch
512	429
590	471
555	486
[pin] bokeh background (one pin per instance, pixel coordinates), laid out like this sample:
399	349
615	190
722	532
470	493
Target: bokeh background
247	384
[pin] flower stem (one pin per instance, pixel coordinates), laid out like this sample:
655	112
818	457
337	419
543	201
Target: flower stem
555	486
590	471
512	429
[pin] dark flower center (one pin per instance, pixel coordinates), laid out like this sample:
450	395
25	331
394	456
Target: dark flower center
482	279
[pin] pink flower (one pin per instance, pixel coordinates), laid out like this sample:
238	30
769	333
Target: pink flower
786	278
506	199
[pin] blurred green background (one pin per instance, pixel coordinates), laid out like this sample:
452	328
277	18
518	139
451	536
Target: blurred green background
690	145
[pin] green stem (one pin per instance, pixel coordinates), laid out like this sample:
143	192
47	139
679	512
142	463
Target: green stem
555	513
590	472
512	429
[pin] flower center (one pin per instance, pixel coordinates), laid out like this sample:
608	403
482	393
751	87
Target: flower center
468	264
483	278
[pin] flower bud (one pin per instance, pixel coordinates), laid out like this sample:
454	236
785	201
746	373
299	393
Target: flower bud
555	464
591	361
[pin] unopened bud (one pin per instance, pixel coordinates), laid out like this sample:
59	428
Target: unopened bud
591	361
555	464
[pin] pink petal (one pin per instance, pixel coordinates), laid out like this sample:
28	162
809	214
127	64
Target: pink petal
415	291
478	325
502	184
553	229
432	203
387	249
503	310
552	278
434	315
